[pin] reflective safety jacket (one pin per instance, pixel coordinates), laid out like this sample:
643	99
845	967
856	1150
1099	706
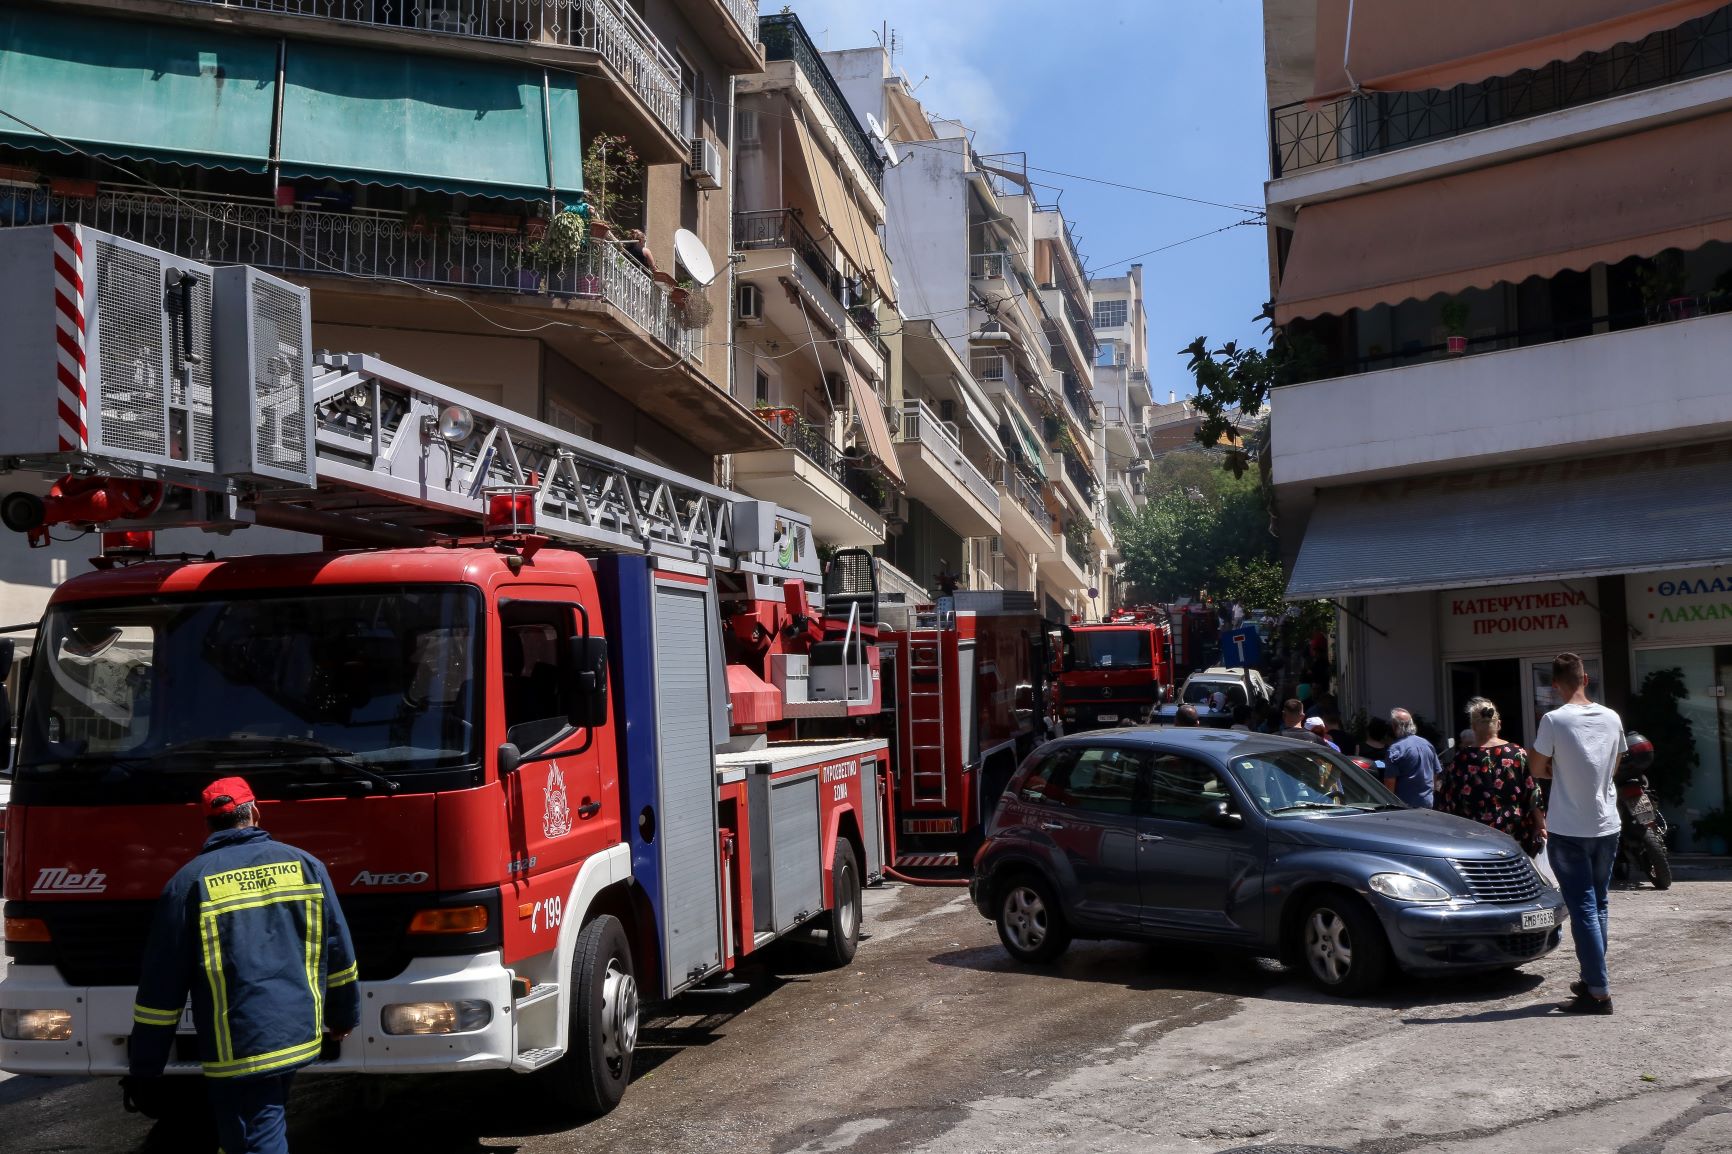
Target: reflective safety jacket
252	929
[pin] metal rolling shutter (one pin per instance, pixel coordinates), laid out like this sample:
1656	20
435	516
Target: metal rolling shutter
798	877
690	893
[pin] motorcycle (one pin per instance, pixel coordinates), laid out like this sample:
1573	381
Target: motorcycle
1642	840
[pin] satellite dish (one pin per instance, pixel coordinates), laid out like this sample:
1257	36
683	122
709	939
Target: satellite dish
883	139
694	256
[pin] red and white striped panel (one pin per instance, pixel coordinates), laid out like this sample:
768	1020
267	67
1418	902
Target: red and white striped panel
923	861
69	325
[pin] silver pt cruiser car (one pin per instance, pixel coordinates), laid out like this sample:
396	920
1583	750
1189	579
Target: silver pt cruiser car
1276	846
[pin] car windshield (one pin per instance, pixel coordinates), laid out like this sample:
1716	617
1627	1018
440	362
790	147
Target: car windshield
1295	780
1201	692
1112	649
383	676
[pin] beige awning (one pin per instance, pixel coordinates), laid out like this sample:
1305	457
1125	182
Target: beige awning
1602	202
1405	47
871	414
842	216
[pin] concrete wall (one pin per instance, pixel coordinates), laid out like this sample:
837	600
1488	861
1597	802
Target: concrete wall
1399	666
505	370
1593	394
927	201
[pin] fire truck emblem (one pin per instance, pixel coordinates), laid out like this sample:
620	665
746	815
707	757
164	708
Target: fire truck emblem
556	811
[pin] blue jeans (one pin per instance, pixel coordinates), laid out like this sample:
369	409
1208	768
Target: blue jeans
1584	869
251	1113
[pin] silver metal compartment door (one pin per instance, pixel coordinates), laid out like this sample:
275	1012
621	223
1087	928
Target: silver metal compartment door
799	886
871	773
691	882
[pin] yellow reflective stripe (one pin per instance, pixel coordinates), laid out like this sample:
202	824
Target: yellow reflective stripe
261	1063
315	937
213	972
151	1016
342	977
254	901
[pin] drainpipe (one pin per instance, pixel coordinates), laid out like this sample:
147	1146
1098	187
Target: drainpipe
1347	50
277	120
547	145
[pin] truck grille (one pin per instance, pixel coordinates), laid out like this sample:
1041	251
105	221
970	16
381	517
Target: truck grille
1500	880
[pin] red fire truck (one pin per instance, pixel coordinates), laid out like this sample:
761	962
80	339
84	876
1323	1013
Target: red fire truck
507	724
1116	672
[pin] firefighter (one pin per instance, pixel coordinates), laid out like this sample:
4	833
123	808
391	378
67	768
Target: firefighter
251	928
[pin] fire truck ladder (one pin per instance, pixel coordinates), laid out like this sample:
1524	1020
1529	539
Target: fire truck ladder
396	449
927	733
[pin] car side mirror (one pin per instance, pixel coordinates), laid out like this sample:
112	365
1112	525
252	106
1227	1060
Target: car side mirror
586	691
510	757
1222	816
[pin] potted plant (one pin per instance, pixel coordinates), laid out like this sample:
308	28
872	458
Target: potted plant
557	249
694	305
1454	314
613	179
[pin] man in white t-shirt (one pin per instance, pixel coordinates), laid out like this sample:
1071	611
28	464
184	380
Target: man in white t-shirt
1578	746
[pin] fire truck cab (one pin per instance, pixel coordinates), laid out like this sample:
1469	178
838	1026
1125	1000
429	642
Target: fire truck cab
1116	672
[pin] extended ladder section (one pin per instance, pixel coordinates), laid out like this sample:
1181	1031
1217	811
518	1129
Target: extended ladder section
927	732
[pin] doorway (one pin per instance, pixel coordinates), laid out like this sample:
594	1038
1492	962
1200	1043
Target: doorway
1500	681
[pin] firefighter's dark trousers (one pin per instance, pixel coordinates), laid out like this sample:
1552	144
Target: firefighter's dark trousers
251	1113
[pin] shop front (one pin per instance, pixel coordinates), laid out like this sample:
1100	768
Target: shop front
1499	642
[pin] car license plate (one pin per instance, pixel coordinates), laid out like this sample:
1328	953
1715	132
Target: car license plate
1106	717
1540	920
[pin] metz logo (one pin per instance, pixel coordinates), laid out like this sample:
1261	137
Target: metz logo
60	880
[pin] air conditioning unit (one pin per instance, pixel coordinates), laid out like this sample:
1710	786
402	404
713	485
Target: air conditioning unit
706	164
264	362
120	337
749	134
995	546
751	304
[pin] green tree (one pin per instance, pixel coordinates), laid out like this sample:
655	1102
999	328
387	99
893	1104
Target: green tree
1234	383
1194	522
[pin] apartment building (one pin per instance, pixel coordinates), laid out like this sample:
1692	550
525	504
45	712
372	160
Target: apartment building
406	161
1501	239
810	355
1121	390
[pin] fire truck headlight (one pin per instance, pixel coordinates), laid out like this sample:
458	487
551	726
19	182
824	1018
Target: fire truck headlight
436	1017
36	1025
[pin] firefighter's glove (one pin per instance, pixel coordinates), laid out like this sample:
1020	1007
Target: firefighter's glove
143	1095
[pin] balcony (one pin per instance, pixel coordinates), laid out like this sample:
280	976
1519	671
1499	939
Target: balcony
785	39
1120	435
729	28
1137	387
1574	397
941	477
374	266
847	297
1305	136
1073	565
1063	331
809	475
1022	512
546	31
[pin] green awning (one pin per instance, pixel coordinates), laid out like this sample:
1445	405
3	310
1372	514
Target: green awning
161	92
449	125
1031	450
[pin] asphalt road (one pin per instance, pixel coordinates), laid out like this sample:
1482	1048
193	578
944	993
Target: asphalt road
934	1041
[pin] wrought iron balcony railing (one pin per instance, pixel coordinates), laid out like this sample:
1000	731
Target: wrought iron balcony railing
809	440
363	243
853	289
920	425
611	28
785	39
745	14
1303	135
1026	493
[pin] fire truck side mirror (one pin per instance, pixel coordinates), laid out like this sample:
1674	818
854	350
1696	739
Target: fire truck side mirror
510	757
586	692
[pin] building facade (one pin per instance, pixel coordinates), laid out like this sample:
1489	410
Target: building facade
405	162
1501	246
1121	389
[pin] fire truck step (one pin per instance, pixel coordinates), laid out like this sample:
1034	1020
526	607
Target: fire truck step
538	993
725	987
542	1056
924	860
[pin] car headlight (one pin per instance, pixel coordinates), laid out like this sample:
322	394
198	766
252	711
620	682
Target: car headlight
1407	888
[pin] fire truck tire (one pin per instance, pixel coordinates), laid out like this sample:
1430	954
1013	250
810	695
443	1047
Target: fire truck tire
591	1079
843	920
1030	923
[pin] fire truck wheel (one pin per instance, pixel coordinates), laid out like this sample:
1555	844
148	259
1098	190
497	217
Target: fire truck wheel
592	1077
843	921
1029	921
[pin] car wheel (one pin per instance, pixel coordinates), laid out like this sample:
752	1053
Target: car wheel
1342	945
1029	922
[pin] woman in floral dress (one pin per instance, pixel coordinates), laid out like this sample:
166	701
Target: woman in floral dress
1489	782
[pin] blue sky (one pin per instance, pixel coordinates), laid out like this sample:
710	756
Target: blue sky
1161	94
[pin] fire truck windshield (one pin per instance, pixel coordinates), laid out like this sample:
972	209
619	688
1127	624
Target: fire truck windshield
383	676
1112	649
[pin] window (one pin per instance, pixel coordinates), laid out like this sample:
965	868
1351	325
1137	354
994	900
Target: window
1181	789
1098	780
1112	649
1112	314
567	419
532	642
688	101
761	395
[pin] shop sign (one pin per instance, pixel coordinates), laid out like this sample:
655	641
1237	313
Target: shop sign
1518	618
1686	605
